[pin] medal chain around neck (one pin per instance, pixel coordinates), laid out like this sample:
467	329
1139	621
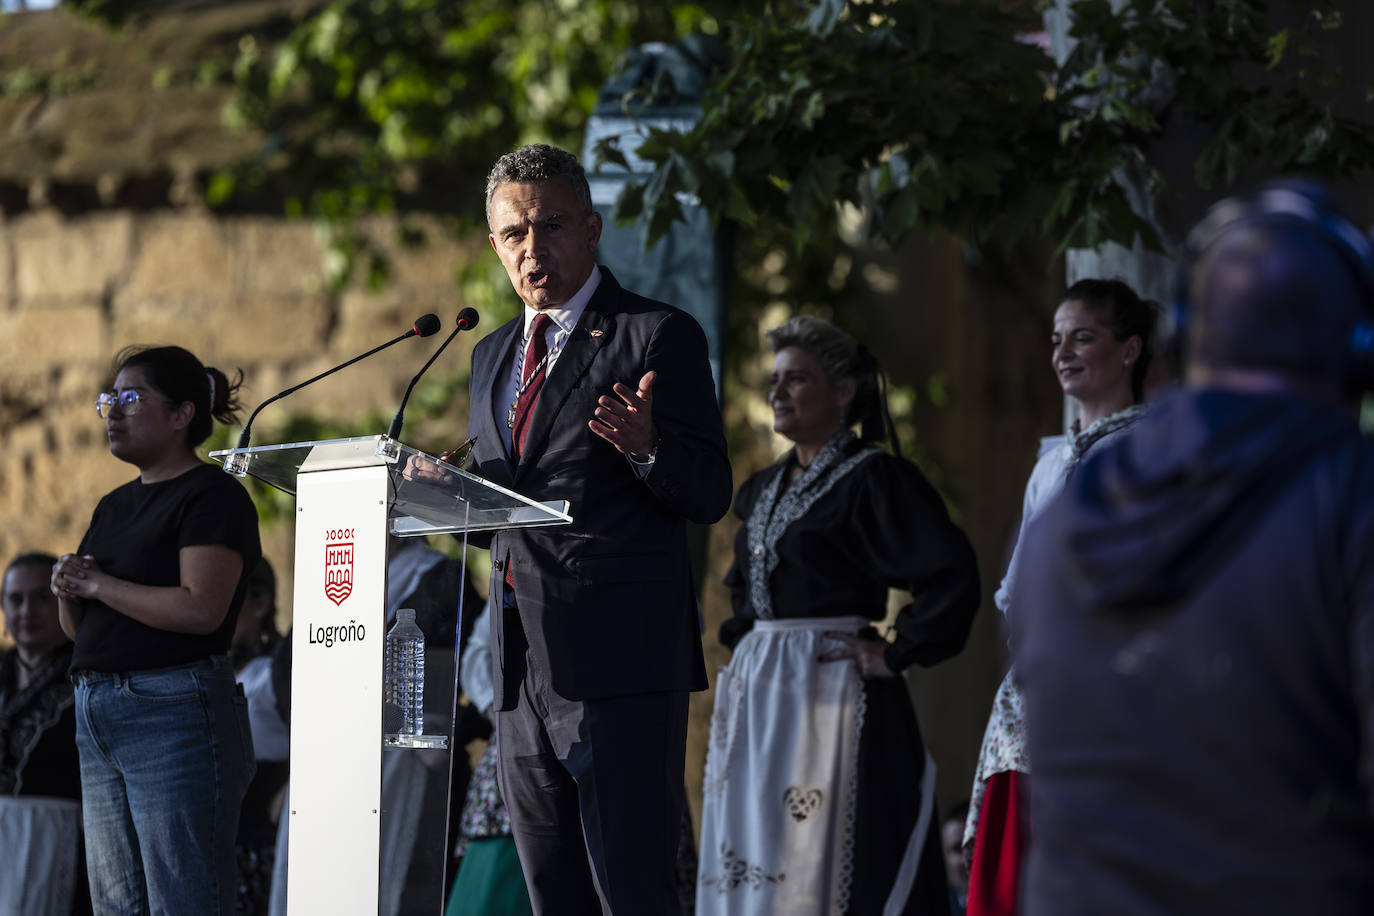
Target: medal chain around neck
522	385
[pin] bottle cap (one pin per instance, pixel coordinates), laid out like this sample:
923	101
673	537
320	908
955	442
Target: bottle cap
405	613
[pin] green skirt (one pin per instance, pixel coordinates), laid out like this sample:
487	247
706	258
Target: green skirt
489	882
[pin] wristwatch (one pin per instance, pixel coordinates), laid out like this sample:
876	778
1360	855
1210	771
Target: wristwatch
644	460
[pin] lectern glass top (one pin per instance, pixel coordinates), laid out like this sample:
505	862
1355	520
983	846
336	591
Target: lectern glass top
429	496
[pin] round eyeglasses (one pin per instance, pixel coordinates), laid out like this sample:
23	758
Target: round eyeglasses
128	400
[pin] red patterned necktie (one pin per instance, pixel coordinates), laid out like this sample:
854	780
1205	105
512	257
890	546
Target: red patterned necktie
532	377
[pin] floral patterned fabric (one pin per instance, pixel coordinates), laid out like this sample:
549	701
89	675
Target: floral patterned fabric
484	814
1003	750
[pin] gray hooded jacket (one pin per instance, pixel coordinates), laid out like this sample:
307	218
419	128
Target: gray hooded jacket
1194	633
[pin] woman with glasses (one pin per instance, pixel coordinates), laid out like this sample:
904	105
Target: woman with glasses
150	598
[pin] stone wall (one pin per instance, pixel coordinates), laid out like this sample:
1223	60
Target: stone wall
238	292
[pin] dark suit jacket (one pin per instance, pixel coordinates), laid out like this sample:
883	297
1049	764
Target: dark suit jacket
607	603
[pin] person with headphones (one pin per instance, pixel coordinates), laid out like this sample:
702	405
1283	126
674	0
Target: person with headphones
1195	615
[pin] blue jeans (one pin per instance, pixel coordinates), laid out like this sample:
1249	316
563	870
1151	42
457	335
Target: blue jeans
166	756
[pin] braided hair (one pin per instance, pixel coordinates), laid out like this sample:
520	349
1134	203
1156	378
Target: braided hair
841	357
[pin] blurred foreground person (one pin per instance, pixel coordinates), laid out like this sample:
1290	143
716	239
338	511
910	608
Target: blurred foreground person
819	795
1194	627
1101	350
151	598
41	868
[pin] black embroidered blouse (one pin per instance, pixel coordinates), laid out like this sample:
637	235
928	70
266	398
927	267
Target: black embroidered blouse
857	522
38	729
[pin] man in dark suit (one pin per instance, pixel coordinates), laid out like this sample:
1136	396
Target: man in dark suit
604	398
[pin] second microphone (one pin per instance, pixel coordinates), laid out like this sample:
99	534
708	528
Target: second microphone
467	320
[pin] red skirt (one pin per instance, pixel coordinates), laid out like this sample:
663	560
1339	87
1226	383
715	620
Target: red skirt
1000	846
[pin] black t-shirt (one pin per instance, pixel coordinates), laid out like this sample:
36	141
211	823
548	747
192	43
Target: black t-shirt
136	534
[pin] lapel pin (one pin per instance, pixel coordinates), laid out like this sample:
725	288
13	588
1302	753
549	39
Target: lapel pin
595	332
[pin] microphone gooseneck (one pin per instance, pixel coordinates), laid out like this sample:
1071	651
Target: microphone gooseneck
424	326
467	320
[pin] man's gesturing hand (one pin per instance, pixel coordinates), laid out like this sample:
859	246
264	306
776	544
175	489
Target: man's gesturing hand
628	423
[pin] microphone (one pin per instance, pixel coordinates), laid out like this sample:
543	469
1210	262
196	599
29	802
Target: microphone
425	326
467	320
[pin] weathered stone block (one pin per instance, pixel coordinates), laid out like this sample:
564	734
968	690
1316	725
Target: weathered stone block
160	321
181	258
56	336
430	266
278	259
267	328
370	387
56	259
83	381
8	294
26	391
263	381
47	492
71	425
364	317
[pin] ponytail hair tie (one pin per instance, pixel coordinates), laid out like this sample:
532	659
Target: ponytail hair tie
875	419
211	377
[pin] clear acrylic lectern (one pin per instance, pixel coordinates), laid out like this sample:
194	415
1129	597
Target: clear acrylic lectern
350	493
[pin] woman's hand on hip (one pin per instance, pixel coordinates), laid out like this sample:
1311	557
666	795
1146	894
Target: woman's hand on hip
868	654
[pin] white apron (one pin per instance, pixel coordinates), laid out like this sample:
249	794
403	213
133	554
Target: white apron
781	774
40	843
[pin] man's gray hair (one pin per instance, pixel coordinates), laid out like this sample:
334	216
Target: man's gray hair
538	163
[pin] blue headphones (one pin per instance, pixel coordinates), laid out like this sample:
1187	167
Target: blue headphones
1310	208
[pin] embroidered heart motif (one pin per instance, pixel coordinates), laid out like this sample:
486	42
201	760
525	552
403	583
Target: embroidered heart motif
801	803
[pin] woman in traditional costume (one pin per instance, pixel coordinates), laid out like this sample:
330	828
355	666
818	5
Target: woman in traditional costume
1101	353
819	795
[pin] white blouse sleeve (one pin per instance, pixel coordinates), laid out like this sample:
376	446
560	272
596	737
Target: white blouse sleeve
1046	479
475	672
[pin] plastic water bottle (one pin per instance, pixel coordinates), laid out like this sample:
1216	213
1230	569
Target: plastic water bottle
405	671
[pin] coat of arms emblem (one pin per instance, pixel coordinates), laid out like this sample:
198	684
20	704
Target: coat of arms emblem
338	567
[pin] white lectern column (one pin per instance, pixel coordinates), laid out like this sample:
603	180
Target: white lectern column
346	491
336	685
